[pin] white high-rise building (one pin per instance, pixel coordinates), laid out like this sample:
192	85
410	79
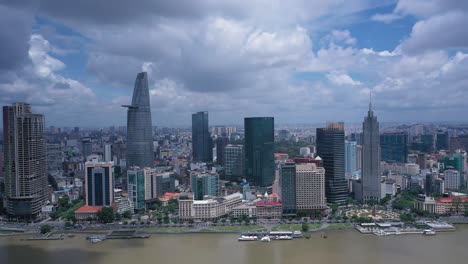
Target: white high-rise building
452	179
107	153
350	156
310	187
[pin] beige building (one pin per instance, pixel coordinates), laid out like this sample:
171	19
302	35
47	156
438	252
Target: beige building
244	209
310	187
209	209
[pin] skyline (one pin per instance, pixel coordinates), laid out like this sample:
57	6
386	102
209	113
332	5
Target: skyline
299	61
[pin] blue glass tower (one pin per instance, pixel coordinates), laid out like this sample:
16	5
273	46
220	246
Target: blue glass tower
139	127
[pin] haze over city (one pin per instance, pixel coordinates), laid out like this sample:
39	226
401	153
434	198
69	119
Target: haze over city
299	61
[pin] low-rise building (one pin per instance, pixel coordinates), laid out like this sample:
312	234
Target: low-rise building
269	209
208	209
122	205
443	205
249	210
86	211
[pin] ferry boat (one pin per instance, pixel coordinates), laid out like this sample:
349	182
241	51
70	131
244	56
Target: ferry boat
265	239
283	238
297	234
247	238
429	232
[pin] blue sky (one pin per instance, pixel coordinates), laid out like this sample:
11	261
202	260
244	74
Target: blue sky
299	61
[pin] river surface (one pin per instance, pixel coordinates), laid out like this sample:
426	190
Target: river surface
341	246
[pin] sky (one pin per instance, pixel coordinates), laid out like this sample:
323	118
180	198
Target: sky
300	61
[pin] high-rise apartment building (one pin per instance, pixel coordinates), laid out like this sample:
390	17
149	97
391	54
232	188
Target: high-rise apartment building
99	183
201	139
371	178
288	187
331	148
310	187
54	157
452	179
394	147
350	156
86	147
25	161
443	140
234	161
139	127
259	150
221	144
204	183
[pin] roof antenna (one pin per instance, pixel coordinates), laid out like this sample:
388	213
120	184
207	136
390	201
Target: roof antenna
370	101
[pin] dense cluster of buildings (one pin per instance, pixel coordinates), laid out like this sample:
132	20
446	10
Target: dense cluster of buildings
223	171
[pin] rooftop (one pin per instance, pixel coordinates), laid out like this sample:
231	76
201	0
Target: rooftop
89	209
264	203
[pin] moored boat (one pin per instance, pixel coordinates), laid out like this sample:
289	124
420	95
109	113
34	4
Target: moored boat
247	238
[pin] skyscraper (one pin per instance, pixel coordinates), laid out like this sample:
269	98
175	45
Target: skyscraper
288	187
201	138
394	147
371	183
25	161
310	187
107	152
442	141
259	150
204	184
221	144
330	147
99	183
234	161
350	156
139	127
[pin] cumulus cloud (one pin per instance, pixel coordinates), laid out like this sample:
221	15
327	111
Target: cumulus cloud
342	79
386	18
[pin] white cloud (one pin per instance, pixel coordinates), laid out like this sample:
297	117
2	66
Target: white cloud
342	79
386	18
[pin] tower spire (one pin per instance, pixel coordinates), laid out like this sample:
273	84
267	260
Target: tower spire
370	101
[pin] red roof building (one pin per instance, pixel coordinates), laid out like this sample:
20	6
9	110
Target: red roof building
86	211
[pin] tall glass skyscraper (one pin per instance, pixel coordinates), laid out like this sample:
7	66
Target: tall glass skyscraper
371	183
331	148
259	150
288	187
139	127
25	161
201	138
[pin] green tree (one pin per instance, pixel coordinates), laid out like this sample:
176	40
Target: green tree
45	229
106	215
63	202
68	224
334	208
305	227
127	214
52	182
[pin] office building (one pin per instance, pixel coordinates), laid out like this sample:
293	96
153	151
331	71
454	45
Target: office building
99	183
259	150
371	176
288	187
310	187
209	209
107	152
25	161
163	182
201	139
204	183
139	126
455	161
221	144
86	147
234	161
452	180
359	157
136	186
350	157
284	135
54	158
331	148
442	140
394	147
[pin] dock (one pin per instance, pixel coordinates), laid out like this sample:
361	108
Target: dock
125	234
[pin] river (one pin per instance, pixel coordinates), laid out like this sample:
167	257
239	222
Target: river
341	246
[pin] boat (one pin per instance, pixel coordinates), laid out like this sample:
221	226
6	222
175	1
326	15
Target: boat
96	240
324	236
265	239
307	236
283	237
247	238
429	232
297	234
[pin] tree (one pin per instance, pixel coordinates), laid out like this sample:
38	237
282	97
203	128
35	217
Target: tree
63	202
45	229
127	214
305	227
52	182
106	215
68	224
334	208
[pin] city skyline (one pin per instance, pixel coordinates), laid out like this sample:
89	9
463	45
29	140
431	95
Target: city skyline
237	60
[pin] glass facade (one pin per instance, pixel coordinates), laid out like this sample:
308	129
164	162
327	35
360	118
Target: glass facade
350	156
205	184
99	184
394	147
139	127
288	187
259	150
330	147
201	138
136	187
